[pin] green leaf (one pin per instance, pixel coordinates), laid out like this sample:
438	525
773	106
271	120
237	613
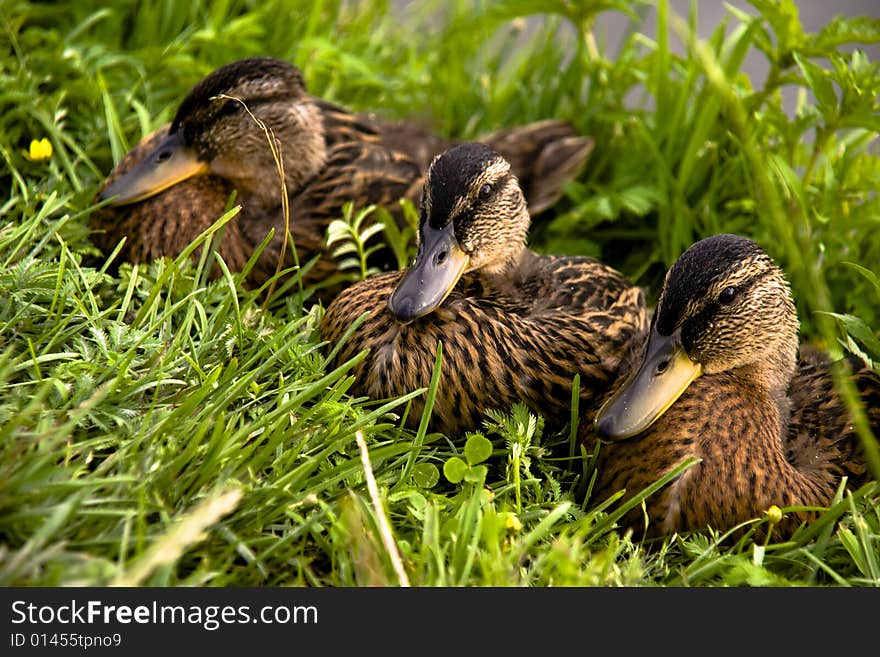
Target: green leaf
856	328
819	81
791	181
477	449
476	474
640	199
864	120
867	273
454	470
337	230
844	30
425	475
371	230
782	15
417	500
402	240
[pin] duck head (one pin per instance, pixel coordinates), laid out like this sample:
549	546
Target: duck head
725	307
473	217
217	130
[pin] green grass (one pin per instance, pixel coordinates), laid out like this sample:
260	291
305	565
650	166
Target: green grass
160	428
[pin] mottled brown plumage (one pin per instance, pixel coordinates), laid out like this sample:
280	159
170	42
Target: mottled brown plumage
177	181
762	415
544	155
167	222
515	326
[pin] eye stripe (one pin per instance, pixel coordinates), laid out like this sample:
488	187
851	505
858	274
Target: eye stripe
695	320
230	107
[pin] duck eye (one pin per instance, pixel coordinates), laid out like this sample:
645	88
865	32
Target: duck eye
727	295
230	107
485	191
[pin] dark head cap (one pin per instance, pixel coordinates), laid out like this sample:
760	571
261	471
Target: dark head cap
450	177
259	78
702	267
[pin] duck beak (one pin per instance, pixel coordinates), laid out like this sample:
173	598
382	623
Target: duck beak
663	375
169	163
433	275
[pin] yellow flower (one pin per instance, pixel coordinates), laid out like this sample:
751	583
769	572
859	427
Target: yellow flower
513	523
774	514
40	150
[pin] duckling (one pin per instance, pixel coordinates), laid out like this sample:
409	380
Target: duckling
177	181
722	378
515	326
